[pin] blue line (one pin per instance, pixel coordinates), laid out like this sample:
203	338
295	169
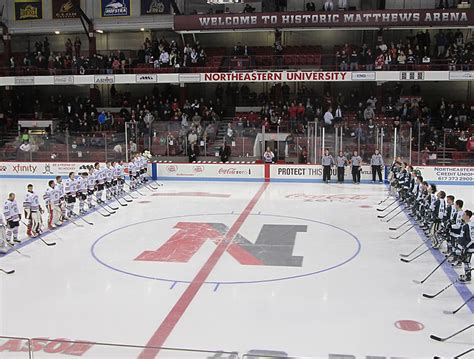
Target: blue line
357	252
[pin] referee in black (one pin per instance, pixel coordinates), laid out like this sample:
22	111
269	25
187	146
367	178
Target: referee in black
376	161
327	162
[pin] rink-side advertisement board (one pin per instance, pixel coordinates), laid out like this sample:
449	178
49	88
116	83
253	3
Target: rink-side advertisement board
41	169
313	173
448	174
211	172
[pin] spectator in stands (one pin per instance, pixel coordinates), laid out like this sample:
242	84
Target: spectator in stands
192	137
25	149
77	47
342	4
278	49
193	152
462	141
441	42
470	144
229	137
369	60
328	117
369	113
310	6
68	47
354	61
328	5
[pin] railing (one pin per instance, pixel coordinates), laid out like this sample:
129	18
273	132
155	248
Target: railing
292	140
293	61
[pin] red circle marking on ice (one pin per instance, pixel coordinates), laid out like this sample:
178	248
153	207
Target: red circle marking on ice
365	206
409	325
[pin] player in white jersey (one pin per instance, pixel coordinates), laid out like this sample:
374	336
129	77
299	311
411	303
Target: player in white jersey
81	190
62	196
13	217
109	177
53	205
133	173
100	179
91	187
33	211
3	236
120	172
70	191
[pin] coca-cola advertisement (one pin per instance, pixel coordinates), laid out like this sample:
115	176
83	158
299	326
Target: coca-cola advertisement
237	171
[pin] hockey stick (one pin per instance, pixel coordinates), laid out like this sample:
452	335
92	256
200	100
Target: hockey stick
16	250
49	244
109	206
393	210
83	219
431	296
400	226
149	186
7	271
439	339
412	226
388	220
418	256
390	205
134	190
128	194
120	203
413	251
102	214
382	201
457	310
75	223
462	354
429	275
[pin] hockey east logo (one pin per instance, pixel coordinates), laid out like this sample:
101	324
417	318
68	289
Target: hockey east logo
274	245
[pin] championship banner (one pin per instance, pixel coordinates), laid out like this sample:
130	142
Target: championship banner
155	7
373	18
113	8
65	9
28	10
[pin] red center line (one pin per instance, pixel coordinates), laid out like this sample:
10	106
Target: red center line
168	324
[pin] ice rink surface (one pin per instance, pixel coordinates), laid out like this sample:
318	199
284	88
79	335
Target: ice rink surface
304	269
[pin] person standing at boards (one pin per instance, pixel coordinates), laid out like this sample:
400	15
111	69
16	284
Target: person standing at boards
376	161
327	162
341	162
356	162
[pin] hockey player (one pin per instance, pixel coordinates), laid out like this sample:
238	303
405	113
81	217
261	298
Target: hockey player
455	232
327	161
70	191
33	211
62	197
91	187
13	217
100	179
3	236
109	177
466	246
438	209
133	173
81	190
53	205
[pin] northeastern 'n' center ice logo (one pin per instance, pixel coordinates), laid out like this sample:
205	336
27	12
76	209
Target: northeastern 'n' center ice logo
266	248
274	245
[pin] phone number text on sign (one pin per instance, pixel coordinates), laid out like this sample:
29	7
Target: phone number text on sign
455	174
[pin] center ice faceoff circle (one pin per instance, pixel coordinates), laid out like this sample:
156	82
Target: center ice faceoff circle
266	248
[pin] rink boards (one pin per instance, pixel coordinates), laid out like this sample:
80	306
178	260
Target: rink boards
237	172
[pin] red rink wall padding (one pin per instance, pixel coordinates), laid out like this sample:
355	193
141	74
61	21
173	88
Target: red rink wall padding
236	172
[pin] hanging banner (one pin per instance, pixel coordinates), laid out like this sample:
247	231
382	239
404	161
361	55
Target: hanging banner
112	8
66	9
155	7
28	10
282	20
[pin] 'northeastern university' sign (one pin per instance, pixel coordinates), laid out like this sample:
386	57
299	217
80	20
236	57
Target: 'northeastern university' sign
380	18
